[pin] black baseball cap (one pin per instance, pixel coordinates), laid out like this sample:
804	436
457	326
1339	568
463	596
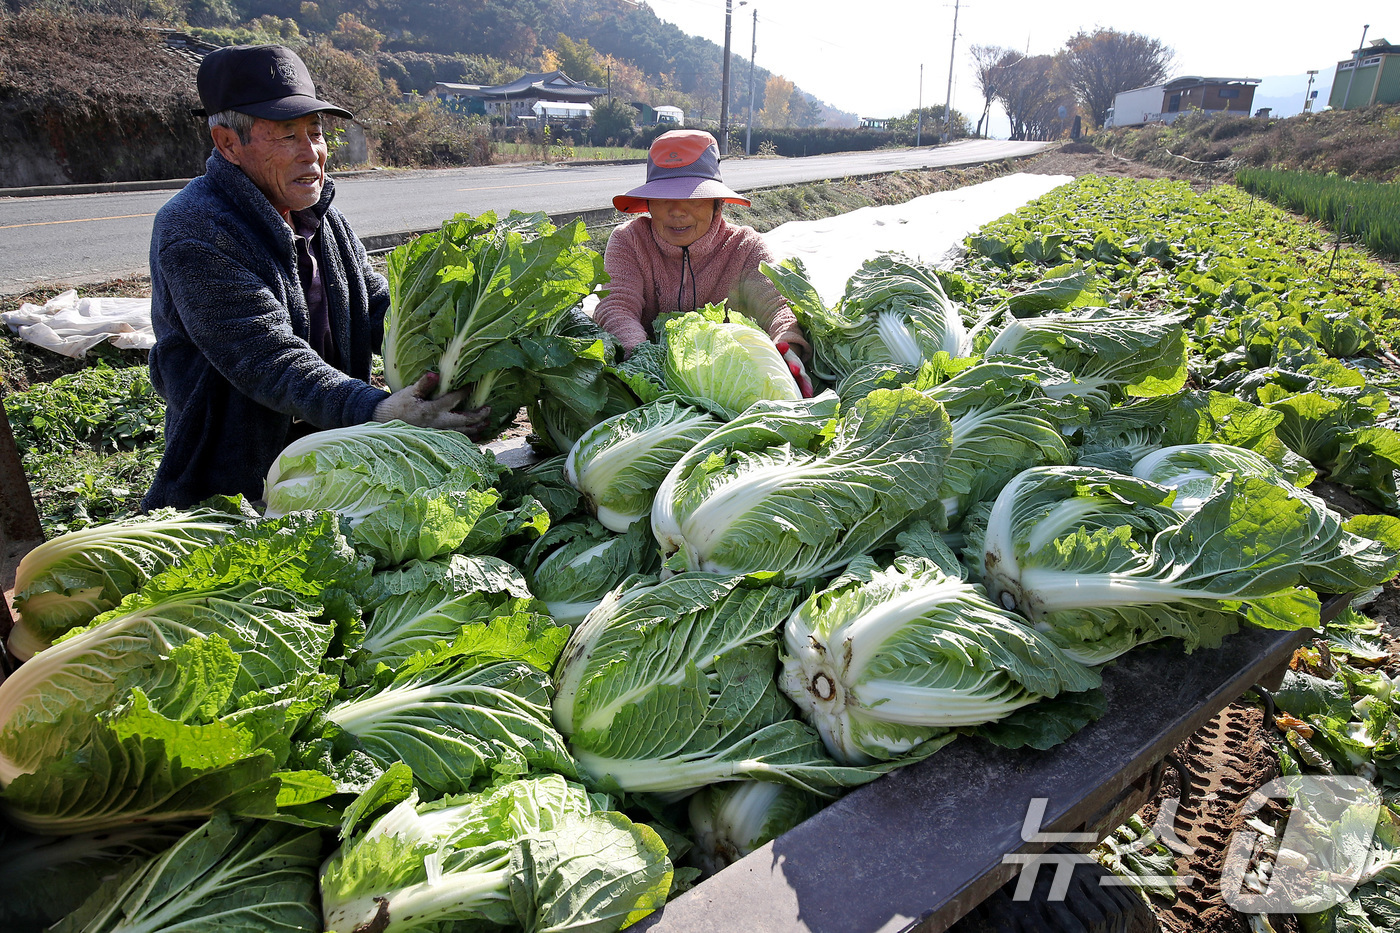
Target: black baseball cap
267	81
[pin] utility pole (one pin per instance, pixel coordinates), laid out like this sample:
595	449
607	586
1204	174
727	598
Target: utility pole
724	84
919	132
753	52
1307	95
948	106
1355	65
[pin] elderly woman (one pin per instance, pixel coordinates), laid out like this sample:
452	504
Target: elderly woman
685	255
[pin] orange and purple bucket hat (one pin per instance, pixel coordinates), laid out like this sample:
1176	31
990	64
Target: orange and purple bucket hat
681	165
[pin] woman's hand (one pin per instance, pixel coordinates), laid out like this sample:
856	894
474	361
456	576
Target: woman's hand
799	372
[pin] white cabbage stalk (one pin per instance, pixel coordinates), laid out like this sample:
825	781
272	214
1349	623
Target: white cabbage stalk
1195	471
731	820
884	660
618	463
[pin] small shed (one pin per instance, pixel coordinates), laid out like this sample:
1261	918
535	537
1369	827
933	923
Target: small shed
1370	76
1163	103
561	111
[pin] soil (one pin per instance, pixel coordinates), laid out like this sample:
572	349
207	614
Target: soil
1083	159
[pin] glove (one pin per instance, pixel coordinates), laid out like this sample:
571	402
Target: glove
799	372
413	405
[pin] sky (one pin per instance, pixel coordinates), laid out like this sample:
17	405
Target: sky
864	56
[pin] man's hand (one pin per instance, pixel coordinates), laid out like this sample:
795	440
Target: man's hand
799	372
413	405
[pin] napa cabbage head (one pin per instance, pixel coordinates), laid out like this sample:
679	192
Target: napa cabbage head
537	854
731	820
1102	561
1119	438
619	464
725	365
1195	471
800	489
405	492
69	580
1116	353
485	303
176	702
359	470
472	708
223	874
886	660
895	310
574	565
668	687
412	608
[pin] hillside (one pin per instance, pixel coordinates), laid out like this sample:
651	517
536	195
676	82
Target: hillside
1360	144
91	98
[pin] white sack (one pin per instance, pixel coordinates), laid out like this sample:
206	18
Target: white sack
72	326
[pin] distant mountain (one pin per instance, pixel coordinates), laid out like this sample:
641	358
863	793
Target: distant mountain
1284	94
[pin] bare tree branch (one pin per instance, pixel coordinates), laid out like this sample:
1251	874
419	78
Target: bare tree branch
1098	65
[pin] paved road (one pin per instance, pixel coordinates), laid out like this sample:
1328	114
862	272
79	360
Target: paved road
82	239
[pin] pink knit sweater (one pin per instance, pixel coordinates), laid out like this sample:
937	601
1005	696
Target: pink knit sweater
646	280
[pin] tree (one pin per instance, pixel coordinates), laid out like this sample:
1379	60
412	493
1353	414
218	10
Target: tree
809	112
933	123
627	81
1098	65
988	64
351	35
579	61
613	119
1029	90
777	99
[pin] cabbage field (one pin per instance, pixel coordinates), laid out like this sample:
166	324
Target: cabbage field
416	689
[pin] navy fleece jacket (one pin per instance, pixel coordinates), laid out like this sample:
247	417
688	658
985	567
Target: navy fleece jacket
231	357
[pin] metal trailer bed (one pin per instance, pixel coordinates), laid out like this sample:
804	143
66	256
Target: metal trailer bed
919	848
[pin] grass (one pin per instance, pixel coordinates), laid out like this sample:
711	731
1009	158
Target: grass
1366	211
526	152
1361	144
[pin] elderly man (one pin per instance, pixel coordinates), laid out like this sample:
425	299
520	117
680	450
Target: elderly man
266	310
